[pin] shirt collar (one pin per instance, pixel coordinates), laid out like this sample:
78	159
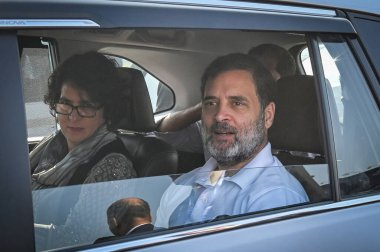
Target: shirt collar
132	229
251	171
203	174
246	176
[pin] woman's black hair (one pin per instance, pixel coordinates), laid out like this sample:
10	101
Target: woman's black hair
98	76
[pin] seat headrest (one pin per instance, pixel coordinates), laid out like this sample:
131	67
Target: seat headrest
141	116
151	156
296	126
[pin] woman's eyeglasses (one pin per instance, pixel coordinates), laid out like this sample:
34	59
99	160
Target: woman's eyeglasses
87	110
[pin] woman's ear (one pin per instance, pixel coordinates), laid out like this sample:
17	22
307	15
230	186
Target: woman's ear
269	112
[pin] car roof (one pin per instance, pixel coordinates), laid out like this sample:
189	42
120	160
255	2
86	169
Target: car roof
366	6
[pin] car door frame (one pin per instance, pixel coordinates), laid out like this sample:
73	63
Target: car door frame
16	212
16	188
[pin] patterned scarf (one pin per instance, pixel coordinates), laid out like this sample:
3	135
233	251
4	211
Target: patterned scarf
57	165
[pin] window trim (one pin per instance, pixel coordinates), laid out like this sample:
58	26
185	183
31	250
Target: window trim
327	130
122	14
42	23
366	68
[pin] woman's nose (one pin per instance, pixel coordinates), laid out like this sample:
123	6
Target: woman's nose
74	116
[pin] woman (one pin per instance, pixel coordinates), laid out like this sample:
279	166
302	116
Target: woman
88	100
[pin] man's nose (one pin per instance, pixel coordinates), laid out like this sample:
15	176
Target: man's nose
223	113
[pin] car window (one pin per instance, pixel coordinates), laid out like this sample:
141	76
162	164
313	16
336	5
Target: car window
36	66
161	96
331	74
77	215
74	215
355	118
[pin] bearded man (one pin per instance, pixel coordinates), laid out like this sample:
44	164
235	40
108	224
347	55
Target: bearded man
242	176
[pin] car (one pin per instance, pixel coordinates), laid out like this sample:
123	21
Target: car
326	131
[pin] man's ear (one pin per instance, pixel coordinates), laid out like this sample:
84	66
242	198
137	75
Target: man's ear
112	223
269	112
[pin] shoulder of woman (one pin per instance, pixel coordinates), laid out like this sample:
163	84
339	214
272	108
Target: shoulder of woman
113	166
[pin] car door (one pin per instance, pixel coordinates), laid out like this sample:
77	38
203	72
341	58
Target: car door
343	78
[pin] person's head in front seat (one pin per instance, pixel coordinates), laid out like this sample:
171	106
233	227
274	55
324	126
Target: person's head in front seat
129	215
276	59
238	108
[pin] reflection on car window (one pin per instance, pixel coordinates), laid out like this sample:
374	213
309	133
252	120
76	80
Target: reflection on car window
332	74
203	195
355	118
76	215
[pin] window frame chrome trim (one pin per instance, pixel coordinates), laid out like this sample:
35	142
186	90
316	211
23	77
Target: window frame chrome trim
161	239
43	23
278	7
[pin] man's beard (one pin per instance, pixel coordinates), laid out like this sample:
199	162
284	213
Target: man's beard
248	141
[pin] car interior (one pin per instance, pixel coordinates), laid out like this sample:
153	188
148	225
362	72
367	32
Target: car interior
177	59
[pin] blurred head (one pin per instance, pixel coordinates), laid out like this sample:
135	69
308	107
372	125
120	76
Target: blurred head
276	59
86	93
127	213
237	108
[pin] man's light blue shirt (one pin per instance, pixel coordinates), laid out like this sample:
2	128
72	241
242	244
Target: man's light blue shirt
261	184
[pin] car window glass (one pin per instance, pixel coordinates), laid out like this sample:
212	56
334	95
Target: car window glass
77	215
70	216
331	74
161	96
36	67
355	118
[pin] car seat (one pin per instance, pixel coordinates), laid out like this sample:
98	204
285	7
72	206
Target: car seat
151	156
295	135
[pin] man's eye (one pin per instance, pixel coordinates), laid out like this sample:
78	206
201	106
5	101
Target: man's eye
210	103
